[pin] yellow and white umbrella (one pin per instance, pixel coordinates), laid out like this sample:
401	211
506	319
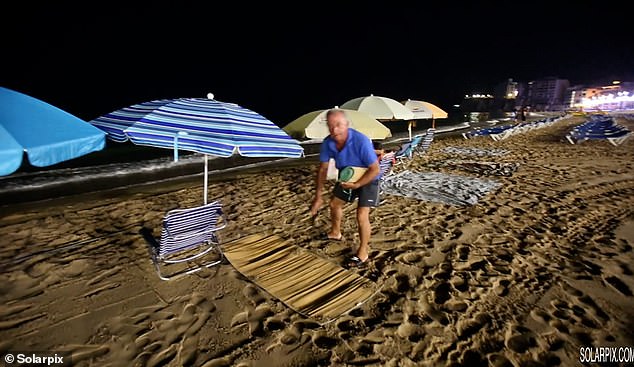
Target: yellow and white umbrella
313	125
425	110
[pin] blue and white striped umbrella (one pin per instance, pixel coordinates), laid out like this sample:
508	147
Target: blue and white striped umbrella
200	125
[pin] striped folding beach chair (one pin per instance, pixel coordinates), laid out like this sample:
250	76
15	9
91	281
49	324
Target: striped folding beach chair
385	166
427	140
386	163
187	234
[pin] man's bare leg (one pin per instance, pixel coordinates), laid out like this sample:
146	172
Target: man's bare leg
365	230
336	212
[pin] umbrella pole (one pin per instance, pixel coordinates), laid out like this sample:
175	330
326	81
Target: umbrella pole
176	148
433	123
205	180
409	130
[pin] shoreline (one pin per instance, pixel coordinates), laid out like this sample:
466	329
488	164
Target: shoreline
179	175
186	170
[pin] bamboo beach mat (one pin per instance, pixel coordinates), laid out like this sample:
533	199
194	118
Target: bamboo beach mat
308	284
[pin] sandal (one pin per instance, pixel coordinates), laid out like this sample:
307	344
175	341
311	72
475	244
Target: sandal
324	237
355	262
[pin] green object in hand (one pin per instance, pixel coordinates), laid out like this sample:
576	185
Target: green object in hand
346	174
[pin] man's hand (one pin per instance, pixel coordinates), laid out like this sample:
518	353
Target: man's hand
349	185
314	208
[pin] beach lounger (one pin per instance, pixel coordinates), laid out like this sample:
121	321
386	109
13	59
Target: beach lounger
613	137
492	131
187	234
407	150
403	151
599	128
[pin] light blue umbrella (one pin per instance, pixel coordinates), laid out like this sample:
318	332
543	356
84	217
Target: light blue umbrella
47	134
199	125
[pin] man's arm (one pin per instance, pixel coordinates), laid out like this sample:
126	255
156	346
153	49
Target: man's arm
368	176
322	172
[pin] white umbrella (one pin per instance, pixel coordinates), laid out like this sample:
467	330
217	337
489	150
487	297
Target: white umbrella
380	108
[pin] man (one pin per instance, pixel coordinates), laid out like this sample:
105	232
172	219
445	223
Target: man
348	147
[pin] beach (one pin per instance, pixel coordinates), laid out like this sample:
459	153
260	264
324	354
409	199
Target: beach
534	271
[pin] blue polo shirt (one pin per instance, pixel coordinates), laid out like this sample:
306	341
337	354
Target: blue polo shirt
357	151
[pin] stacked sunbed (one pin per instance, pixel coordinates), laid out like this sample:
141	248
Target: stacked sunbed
489	131
502	132
599	127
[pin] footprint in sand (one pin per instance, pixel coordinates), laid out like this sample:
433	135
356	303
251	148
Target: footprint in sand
432	311
253	294
290	336
253	318
463	252
410	258
593	308
442	293
460	282
410	331
499	360
321	340
274	323
520	339
540	316
468	327
619	285
350	325
501	287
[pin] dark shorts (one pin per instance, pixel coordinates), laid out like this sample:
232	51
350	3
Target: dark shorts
368	195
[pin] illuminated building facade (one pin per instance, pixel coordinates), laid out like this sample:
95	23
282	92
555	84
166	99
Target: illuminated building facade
547	94
613	97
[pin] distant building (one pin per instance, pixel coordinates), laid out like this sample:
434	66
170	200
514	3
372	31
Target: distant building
477	102
574	97
522	95
613	97
551	94
547	94
506	90
505	95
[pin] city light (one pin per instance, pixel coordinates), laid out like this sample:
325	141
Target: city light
594	101
478	95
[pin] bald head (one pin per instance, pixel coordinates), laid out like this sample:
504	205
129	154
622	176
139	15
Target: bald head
337	125
336	111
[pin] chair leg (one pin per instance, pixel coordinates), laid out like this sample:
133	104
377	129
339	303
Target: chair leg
190	270
158	262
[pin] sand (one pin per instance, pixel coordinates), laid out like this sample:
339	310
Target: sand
525	277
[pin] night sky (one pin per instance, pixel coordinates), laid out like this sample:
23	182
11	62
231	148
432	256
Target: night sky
283	61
